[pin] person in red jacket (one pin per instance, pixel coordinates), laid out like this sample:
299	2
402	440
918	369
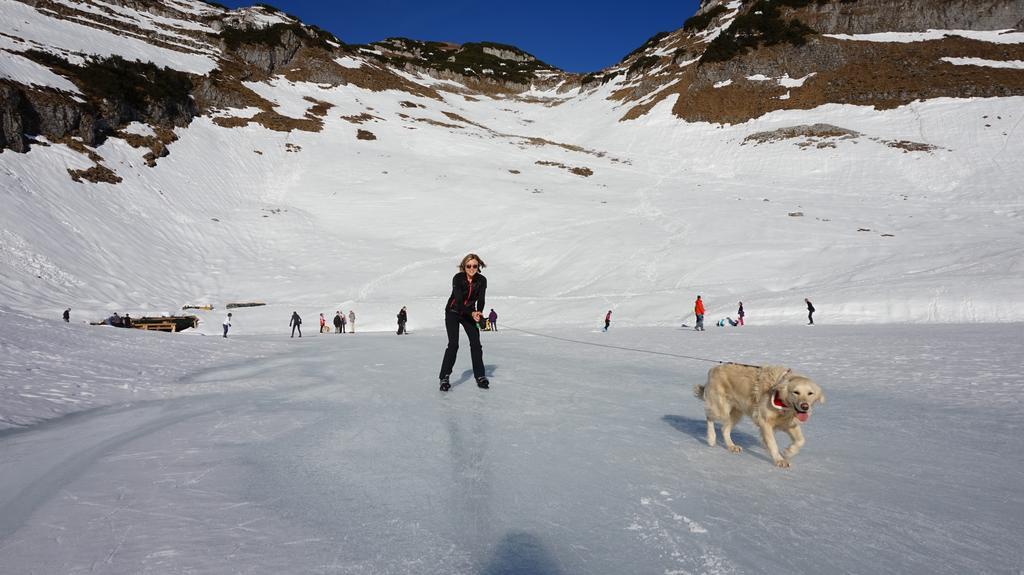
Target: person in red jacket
465	307
607	320
698	310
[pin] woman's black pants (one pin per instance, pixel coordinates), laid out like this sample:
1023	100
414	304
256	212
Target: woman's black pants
476	352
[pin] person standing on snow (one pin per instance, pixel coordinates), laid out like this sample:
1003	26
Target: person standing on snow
740	313
698	310
607	320
810	311
67	315
403	317
337	322
352	321
296	323
323	323
465	307
227	324
493	318
344	322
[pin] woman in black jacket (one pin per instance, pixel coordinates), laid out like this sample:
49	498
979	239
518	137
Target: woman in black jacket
464	307
403	317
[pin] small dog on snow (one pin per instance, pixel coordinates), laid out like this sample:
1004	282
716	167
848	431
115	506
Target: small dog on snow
772	396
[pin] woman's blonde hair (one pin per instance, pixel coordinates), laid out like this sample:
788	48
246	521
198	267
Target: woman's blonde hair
465	260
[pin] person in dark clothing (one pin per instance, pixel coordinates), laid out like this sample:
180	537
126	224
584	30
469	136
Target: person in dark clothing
67	315
607	320
810	312
337	322
493	318
741	313
296	323
402	318
465	307
127	321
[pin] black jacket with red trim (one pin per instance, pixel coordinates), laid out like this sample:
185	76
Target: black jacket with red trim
467	297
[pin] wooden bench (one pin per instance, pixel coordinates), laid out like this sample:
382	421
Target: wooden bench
157	326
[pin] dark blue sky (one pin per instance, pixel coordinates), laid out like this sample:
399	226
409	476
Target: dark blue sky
577	36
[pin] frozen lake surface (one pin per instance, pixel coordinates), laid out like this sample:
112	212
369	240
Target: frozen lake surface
337	454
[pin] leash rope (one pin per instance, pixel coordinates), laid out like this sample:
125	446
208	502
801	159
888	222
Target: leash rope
623	348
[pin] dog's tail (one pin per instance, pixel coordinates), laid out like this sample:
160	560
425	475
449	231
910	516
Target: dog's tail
698	392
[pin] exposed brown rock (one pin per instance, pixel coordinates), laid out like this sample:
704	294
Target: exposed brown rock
96	174
866	16
319	108
439	124
579	171
882	75
157	144
813	132
908	146
360	118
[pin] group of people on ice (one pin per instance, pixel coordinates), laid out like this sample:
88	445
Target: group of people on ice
347	323
342	323
699	311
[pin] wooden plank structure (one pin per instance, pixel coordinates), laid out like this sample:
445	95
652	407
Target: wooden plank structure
173	324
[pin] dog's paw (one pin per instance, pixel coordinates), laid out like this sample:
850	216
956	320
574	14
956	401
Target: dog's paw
735	448
783	463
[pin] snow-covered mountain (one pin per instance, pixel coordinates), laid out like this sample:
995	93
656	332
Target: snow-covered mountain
169	152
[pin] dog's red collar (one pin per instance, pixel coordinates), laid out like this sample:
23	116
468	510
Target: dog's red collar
778	403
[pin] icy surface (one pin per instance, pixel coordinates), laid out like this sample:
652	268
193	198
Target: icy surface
337	454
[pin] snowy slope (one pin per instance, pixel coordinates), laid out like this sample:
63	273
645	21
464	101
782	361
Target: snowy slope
321	220
916	219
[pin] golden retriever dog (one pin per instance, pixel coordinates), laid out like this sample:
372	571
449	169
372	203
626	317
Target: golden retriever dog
772	396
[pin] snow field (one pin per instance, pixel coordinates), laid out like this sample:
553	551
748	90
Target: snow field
317	220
